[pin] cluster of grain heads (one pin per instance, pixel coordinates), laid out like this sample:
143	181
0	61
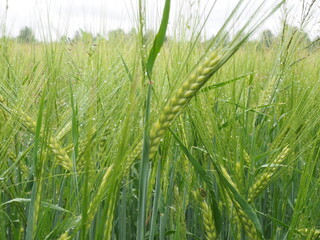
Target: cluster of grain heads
208	220
240	175
232	210
234	217
180	99
263	180
247	224
237	225
61	155
309	234
83	148
239	216
63	158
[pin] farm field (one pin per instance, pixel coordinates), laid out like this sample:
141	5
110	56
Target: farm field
137	137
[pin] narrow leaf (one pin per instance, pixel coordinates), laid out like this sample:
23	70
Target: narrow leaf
217	85
159	39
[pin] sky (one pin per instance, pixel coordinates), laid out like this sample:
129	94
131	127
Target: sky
51	19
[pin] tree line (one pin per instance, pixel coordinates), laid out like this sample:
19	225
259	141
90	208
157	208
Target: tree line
265	39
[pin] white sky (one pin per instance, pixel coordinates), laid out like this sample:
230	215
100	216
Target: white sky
64	17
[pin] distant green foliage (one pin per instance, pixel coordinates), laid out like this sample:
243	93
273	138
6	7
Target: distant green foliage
116	35
82	36
267	38
26	35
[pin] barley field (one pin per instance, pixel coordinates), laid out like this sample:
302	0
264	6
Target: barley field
161	137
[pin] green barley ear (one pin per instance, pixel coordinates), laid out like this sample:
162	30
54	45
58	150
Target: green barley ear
94	205
265	177
131	157
54	146
175	105
269	93
63	158
266	99
180	99
64	236
246	222
247	158
208	221
310	234
61	155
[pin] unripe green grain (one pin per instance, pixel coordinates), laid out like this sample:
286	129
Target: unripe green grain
247	224
64	236
61	155
175	105
265	177
179	100
208	221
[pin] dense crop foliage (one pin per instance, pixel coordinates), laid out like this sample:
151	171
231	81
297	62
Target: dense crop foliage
211	141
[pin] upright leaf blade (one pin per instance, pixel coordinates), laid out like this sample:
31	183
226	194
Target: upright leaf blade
144	172
159	39
32	213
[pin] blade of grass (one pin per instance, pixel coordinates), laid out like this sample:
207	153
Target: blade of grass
156	202
159	39
144	171
32	218
28	200
123	213
75	139
217	85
